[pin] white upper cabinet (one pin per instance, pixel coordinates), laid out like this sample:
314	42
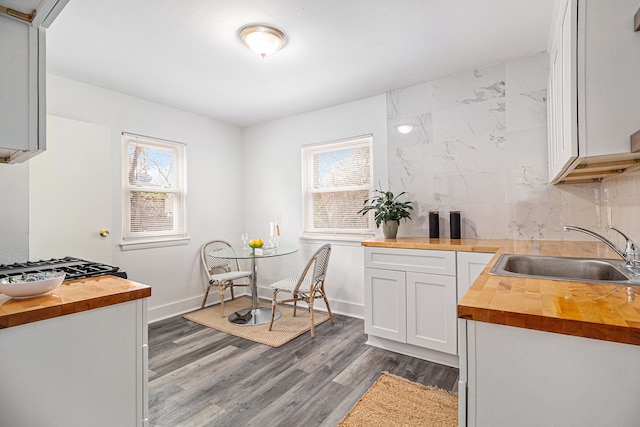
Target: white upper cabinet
21	124
40	13
593	88
562	98
23	77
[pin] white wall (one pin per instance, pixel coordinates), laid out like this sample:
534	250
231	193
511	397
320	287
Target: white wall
215	177
14	215
272	186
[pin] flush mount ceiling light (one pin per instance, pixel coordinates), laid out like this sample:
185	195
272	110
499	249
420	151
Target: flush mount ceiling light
263	39
404	129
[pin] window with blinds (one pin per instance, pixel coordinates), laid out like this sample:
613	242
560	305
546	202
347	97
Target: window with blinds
337	180
154	189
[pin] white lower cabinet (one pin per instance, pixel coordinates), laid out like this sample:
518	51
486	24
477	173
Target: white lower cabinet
410	302
411	298
83	369
523	377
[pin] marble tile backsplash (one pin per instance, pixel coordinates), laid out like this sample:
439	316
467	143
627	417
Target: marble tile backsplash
479	145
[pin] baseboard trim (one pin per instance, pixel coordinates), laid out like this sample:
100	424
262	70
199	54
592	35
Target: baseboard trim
415	351
165	311
337	307
177	308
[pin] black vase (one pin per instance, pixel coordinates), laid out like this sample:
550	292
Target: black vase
434	224
454	220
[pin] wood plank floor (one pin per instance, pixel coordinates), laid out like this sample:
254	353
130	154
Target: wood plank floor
202	377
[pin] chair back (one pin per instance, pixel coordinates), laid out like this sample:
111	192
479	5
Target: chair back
320	262
213	265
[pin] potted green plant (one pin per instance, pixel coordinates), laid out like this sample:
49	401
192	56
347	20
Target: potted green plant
388	211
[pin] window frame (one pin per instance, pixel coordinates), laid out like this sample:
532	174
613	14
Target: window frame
178	234
307	153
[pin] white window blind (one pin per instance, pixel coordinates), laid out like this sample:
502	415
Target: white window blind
337	180
154	189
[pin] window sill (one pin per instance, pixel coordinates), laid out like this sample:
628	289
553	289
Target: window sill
149	244
345	239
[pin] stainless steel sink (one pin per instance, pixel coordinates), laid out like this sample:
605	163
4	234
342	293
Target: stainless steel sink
562	268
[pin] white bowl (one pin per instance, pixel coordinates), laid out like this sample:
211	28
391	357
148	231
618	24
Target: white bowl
31	285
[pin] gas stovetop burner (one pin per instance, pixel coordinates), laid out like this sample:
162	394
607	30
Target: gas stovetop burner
74	268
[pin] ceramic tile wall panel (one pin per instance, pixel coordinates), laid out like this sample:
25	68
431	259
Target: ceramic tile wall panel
469	125
533	209
481	148
621	208
538	210
582	206
409	103
455	160
526	92
470	140
471	87
411	153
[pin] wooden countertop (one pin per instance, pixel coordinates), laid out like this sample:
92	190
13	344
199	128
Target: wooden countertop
599	311
465	245
71	297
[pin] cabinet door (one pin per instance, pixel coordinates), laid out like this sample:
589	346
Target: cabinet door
553	112
608	83
524	377
563	86
384	304
16	85
470	265
431	312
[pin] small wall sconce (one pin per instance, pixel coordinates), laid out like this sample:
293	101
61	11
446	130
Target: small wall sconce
405	129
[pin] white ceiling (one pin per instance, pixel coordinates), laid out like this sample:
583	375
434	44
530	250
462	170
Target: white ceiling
187	54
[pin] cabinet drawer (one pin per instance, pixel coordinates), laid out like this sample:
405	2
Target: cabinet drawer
418	260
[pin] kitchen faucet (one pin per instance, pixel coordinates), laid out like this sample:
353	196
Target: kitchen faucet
631	253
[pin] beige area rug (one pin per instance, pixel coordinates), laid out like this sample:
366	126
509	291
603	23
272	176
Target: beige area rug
284	329
396	401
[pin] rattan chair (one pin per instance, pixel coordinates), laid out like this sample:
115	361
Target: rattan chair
306	287
221	272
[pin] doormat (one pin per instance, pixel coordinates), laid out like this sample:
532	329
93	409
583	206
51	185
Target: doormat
396	401
284	329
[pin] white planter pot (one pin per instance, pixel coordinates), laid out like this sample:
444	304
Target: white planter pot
390	229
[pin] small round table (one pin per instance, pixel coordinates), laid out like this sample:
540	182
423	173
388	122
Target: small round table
255	315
